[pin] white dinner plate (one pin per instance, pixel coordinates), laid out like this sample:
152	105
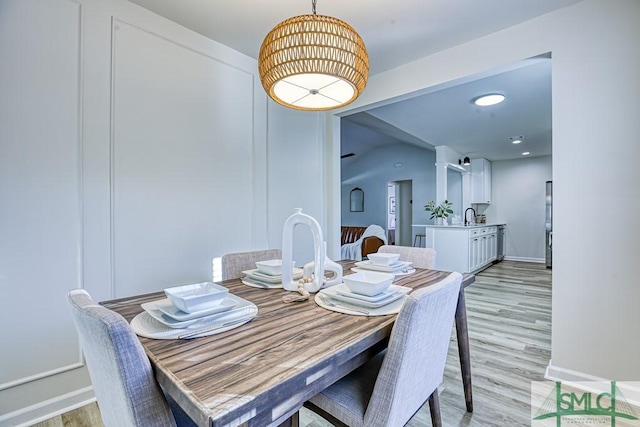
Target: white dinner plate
398	266
150	307
343	289
258	284
356	310
398	293
270	279
147	326
167	307
402	272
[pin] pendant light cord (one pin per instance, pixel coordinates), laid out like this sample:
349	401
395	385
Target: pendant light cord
313	6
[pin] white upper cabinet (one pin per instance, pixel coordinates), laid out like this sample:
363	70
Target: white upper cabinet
480	181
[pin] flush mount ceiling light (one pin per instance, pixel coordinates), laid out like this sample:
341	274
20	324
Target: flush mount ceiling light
313	62
489	99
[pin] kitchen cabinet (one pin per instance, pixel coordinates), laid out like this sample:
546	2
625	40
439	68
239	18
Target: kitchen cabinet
463	249
480	181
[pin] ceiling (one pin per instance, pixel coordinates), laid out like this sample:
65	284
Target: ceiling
397	32
449	117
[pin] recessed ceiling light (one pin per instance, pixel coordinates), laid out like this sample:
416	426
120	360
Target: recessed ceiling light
526	153
515	139
490	99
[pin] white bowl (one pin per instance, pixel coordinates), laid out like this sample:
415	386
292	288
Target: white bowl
383	258
196	297
272	267
368	282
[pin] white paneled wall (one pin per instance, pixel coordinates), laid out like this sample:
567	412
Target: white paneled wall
295	175
40	186
132	152
182	175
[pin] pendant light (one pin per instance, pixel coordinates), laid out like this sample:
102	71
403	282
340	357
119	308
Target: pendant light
313	62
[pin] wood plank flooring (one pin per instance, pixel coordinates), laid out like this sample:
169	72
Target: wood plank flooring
509	314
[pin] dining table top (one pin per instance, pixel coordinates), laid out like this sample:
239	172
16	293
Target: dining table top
261	373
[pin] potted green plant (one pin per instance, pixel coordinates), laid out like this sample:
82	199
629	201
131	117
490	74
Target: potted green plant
439	212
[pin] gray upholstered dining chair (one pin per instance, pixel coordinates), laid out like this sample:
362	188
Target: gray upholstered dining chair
121	374
390	388
234	264
420	257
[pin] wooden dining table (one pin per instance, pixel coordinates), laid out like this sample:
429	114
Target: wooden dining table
261	373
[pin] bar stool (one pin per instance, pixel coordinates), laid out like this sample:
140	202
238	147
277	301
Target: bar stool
419	239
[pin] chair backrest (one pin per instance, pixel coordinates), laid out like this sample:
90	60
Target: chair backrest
234	264
127	392
413	365
420	257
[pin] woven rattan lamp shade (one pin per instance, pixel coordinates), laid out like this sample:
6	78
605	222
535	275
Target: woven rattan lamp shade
313	62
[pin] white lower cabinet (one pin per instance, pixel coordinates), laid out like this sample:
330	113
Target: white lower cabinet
466	250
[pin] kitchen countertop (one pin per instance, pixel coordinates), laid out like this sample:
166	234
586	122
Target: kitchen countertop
489	224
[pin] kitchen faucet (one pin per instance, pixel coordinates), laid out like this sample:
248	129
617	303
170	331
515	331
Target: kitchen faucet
465	216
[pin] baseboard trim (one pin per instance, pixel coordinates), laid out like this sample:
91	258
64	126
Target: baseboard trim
630	389
48	409
556	373
525	259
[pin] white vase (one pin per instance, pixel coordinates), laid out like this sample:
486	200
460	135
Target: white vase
439	221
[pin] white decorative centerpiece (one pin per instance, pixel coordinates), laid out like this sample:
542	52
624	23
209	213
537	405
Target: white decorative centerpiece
287	252
332	270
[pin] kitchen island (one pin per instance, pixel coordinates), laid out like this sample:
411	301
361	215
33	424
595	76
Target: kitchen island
462	248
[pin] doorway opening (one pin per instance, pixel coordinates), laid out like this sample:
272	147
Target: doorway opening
391	213
403	213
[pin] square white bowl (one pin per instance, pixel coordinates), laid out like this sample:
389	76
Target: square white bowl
197	296
368	282
272	267
383	258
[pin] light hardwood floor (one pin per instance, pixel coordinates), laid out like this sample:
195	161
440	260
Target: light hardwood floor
509	314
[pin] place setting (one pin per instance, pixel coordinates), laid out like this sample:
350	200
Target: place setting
386	263
365	293
268	274
192	311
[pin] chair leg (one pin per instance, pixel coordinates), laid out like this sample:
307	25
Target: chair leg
434	407
324	414
293	421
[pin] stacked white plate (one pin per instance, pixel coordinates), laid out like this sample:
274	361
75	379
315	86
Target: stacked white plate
397	268
260	279
341	299
163	320
344	294
170	315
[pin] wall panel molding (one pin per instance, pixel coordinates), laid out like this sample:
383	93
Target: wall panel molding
174	110
57	114
50	408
